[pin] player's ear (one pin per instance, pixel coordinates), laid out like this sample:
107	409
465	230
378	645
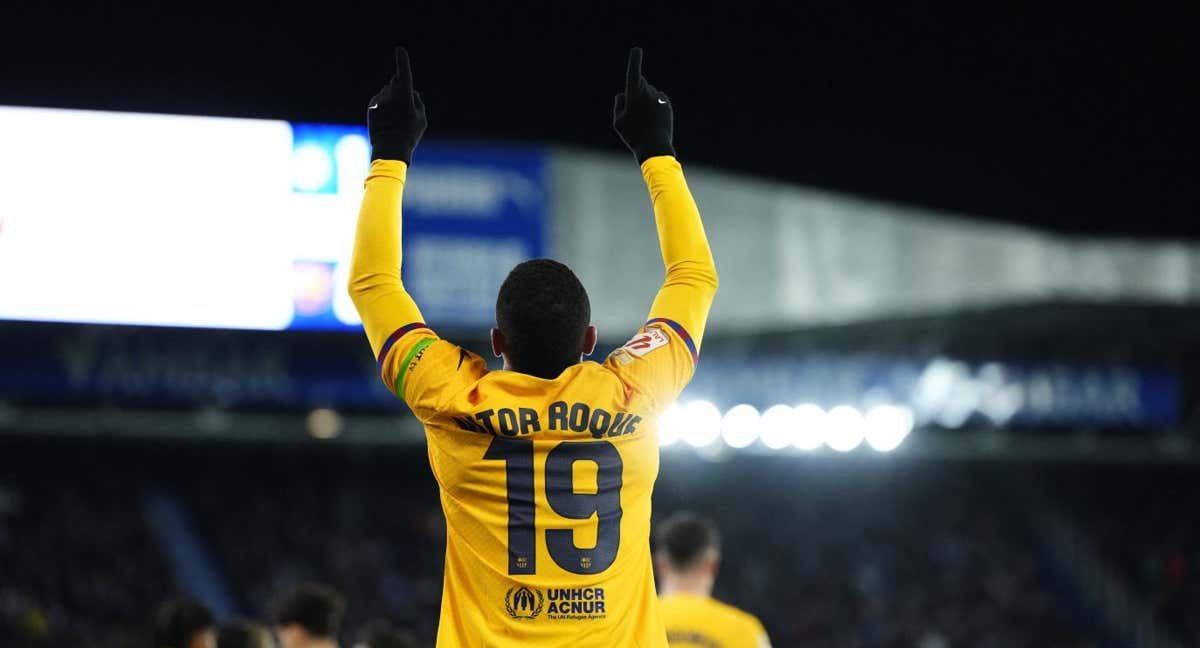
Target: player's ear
498	343
713	563
660	562
589	341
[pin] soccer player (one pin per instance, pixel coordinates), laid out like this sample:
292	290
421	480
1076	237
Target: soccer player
382	634
687	554
184	623
243	633
545	467
308	616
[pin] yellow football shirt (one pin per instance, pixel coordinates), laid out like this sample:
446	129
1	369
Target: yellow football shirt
704	622
545	483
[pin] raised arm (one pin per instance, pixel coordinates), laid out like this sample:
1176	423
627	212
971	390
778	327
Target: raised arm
396	121
642	116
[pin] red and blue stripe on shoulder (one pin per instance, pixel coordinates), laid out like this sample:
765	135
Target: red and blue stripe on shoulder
393	339
681	332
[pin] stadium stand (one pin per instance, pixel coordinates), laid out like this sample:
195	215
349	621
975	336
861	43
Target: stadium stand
1145	523
78	565
827	553
909	554
372	530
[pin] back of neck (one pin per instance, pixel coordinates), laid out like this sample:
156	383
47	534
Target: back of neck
698	584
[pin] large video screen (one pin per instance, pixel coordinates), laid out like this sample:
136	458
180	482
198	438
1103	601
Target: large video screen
164	220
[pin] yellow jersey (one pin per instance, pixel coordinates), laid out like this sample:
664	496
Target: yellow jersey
704	622
545	483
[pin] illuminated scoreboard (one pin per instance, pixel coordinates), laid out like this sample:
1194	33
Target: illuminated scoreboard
165	220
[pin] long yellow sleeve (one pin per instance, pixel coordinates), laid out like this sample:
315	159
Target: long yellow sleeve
691	280
375	285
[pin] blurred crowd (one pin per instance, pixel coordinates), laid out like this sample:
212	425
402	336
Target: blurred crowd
1146	523
913	555
78	566
849	553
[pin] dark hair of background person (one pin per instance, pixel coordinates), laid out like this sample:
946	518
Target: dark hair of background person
380	633
316	608
544	312
685	537
243	633
179	620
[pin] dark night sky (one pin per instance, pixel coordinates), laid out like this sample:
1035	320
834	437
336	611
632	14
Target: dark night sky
1080	118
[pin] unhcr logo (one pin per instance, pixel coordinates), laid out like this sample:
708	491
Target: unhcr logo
524	603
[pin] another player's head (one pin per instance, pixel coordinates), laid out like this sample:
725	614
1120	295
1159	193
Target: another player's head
382	634
687	554
543	319
184	623
308	616
244	634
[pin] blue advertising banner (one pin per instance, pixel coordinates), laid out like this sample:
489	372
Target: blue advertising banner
88	365
471	212
948	392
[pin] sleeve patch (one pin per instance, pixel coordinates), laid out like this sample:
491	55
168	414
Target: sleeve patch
621	356
646	341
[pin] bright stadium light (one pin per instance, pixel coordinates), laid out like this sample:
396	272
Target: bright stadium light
671	425
312	168
844	430
739	428
999	399
353	155
888	426
778	423
703	421
960	403
324	423
810	427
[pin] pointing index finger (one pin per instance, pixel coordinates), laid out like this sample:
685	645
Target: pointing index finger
633	74
403	71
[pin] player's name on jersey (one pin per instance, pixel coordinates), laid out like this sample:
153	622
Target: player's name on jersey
561	416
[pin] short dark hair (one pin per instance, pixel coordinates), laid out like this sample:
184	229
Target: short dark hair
382	634
316	608
543	312
685	537
243	633
178	621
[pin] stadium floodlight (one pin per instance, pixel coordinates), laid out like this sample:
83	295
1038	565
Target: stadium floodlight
778	424
844	428
960	403
888	426
999	399
810	427
353	155
703	423
324	423
671	425
312	167
739	428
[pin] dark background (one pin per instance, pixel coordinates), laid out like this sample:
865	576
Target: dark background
1078	117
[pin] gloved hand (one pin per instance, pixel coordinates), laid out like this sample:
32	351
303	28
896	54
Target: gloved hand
642	115
396	116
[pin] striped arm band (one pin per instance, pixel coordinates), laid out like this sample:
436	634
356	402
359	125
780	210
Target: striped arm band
681	332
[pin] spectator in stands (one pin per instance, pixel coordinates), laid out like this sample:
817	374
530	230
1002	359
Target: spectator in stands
184	623
243	633
308	616
382	634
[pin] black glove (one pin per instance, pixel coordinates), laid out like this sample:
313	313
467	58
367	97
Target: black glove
396	116
642	115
